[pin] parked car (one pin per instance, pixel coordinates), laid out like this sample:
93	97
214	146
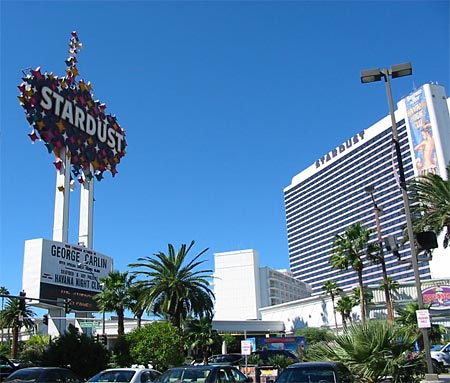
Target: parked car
204	374
7	366
441	357
126	375
43	375
266	355
317	372
436	347
226	359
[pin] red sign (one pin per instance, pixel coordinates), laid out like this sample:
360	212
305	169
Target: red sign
438	297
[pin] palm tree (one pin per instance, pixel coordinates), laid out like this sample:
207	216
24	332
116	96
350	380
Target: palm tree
331	288
356	296
372	351
348	251
430	204
407	315
116	296
393	286
14	316
375	255
136	303
407	318
201	336
3	291
344	306
34	348
172	289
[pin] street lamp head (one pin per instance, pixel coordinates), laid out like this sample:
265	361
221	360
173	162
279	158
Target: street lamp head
371	75
376	74
370	189
401	70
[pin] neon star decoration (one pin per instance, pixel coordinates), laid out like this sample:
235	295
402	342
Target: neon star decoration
64	114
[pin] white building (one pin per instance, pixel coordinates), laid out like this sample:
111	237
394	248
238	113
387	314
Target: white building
329	196
241	287
317	311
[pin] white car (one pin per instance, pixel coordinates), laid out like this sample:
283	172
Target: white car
442	356
126	375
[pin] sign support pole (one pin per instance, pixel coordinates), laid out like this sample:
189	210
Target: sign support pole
62	197
85	228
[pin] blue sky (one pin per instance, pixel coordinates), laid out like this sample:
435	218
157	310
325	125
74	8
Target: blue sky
222	102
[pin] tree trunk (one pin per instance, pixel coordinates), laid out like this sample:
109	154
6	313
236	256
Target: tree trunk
15	341
120	321
361	297
387	293
205	356
334	312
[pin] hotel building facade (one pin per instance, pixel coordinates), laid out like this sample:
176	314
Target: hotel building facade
242	287
330	195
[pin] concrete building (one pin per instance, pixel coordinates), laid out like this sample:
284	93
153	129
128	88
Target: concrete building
330	195
279	286
241	287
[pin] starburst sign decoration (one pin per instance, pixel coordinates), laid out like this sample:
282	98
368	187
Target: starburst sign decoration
63	114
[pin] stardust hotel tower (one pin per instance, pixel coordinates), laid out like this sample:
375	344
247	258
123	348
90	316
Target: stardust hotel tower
331	194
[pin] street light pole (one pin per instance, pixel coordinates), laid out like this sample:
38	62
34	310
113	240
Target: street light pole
376	75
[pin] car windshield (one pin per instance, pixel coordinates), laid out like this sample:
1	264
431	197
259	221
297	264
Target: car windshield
307	375
186	375
113	376
224	358
28	375
436	347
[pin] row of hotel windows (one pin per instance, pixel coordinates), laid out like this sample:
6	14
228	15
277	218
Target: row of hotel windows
320	237
360	162
317	236
333	221
320	273
315	226
371	275
365	173
307	257
332	169
344	199
341	200
318	266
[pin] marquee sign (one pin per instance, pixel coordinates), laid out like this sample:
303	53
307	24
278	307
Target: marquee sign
63	114
57	270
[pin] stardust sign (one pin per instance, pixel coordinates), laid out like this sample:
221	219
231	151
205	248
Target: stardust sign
64	114
71	113
56	270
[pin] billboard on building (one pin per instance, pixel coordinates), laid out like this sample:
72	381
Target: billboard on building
438	297
291	343
54	271
422	133
429	126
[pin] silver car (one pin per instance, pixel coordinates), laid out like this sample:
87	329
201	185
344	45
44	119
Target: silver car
126	375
